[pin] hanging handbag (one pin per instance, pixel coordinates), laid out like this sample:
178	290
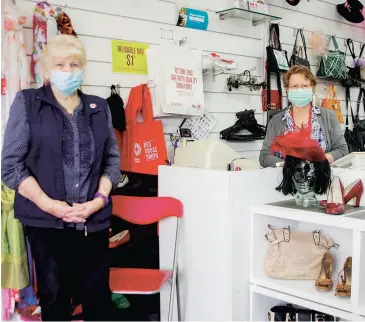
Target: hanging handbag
143	146
360	124
277	61
297	55
332	102
333	64
354	140
295	255
277	58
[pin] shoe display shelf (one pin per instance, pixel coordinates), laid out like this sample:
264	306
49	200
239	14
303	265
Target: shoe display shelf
348	231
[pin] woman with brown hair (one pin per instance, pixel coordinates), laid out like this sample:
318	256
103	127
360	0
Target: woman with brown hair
300	84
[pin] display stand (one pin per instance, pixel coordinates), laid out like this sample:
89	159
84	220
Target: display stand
347	232
214	258
214	246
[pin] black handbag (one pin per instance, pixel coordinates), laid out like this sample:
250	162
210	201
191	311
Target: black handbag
353	138
277	62
353	73
290	313
277	58
360	124
297	55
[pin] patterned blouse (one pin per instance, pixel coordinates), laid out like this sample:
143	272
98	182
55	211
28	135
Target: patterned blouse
317	131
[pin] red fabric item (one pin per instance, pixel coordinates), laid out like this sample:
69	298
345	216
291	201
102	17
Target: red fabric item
298	144
143	143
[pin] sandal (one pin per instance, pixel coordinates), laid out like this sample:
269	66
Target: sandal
344	286
324	280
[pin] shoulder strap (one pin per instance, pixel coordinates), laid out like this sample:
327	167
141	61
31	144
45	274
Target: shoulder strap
348	102
304	43
361	94
350	45
274	39
334	41
295	42
362	47
331	92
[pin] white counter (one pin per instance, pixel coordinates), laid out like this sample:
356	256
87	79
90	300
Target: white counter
214	258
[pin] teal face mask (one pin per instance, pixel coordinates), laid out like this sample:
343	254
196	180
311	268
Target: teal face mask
300	97
66	82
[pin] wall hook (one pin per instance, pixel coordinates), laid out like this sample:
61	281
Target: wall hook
182	41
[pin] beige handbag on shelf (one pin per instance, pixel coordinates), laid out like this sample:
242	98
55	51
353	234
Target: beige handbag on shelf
295	255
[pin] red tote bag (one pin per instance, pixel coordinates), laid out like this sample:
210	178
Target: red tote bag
143	145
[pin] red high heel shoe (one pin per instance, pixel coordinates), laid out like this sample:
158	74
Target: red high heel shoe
353	192
335	200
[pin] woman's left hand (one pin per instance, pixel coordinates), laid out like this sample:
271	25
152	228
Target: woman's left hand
84	210
329	158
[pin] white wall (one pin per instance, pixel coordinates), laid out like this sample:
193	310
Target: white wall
97	22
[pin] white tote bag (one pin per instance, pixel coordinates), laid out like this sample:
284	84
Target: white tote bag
177	74
155	75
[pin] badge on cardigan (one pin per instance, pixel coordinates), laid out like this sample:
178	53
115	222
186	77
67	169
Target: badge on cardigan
92	105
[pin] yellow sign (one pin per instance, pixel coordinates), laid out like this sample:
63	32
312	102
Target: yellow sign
129	57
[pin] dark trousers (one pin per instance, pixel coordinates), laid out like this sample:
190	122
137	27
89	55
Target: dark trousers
71	265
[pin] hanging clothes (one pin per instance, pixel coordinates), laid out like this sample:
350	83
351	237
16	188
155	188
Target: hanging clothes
14	262
64	24
116	106
14	68
28	302
42	13
8	304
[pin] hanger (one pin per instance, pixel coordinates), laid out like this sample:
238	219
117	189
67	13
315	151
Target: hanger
246	121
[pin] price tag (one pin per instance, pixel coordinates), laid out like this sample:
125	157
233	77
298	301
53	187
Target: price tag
129	57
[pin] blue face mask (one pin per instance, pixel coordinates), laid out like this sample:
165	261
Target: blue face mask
300	97
66	82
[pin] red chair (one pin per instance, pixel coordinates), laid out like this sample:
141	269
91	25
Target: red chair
144	211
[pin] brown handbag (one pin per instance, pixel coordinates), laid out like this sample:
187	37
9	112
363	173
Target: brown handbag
331	102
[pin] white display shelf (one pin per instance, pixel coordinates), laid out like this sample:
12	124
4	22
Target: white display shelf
347	232
263	299
317	216
257	18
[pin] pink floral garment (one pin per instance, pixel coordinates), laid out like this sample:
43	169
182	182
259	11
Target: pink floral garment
14	67
42	13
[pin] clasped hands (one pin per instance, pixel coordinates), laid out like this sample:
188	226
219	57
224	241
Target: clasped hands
78	213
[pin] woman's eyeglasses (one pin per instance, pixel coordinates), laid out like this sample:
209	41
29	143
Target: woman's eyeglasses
300	86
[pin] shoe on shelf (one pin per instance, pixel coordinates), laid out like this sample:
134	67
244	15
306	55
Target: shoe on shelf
324	280
335	204
353	192
344	279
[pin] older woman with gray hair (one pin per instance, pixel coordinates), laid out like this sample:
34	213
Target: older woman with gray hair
61	157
